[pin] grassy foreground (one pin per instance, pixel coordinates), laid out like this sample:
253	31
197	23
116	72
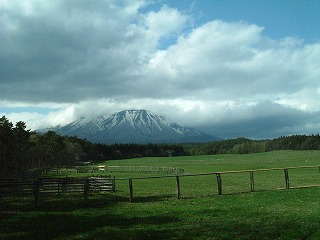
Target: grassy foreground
157	214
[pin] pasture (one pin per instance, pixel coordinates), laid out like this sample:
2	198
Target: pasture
200	213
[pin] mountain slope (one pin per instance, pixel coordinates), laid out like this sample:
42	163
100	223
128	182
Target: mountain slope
132	126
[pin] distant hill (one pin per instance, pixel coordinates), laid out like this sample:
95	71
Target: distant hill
131	126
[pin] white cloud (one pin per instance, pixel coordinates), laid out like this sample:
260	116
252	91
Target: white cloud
163	24
68	56
33	119
219	59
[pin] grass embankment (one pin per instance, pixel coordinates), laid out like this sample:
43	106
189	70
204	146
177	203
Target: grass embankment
200	214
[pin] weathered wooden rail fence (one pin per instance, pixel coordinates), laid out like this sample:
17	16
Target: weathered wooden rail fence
219	179
85	186
46	186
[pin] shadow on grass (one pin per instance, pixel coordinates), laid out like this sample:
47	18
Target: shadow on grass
56	202
113	226
267	215
68	216
55	225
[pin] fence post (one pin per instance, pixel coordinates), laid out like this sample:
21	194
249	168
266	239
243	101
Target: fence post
219	183
286	176
251	182
64	184
114	184
131	190
36	192
178	187
86	190
59	186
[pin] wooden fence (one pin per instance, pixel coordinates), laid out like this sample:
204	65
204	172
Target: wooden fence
145	169
44	186
219	178
110	169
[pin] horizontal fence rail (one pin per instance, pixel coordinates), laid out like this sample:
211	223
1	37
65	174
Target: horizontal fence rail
224	182
221	175
145	169
16	187
110	169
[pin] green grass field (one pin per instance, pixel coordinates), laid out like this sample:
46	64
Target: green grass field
156	213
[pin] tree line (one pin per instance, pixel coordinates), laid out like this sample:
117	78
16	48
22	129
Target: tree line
245	146
22	150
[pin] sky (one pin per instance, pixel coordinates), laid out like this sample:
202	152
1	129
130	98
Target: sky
230	68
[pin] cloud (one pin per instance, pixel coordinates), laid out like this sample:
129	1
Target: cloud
235	59
68	56
264	120
70	51
66	51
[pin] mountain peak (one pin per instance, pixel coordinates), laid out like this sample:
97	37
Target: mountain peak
133	126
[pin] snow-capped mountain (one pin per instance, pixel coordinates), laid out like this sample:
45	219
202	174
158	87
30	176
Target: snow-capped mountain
132	126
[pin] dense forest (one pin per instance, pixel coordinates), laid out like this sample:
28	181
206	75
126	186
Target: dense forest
22	150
